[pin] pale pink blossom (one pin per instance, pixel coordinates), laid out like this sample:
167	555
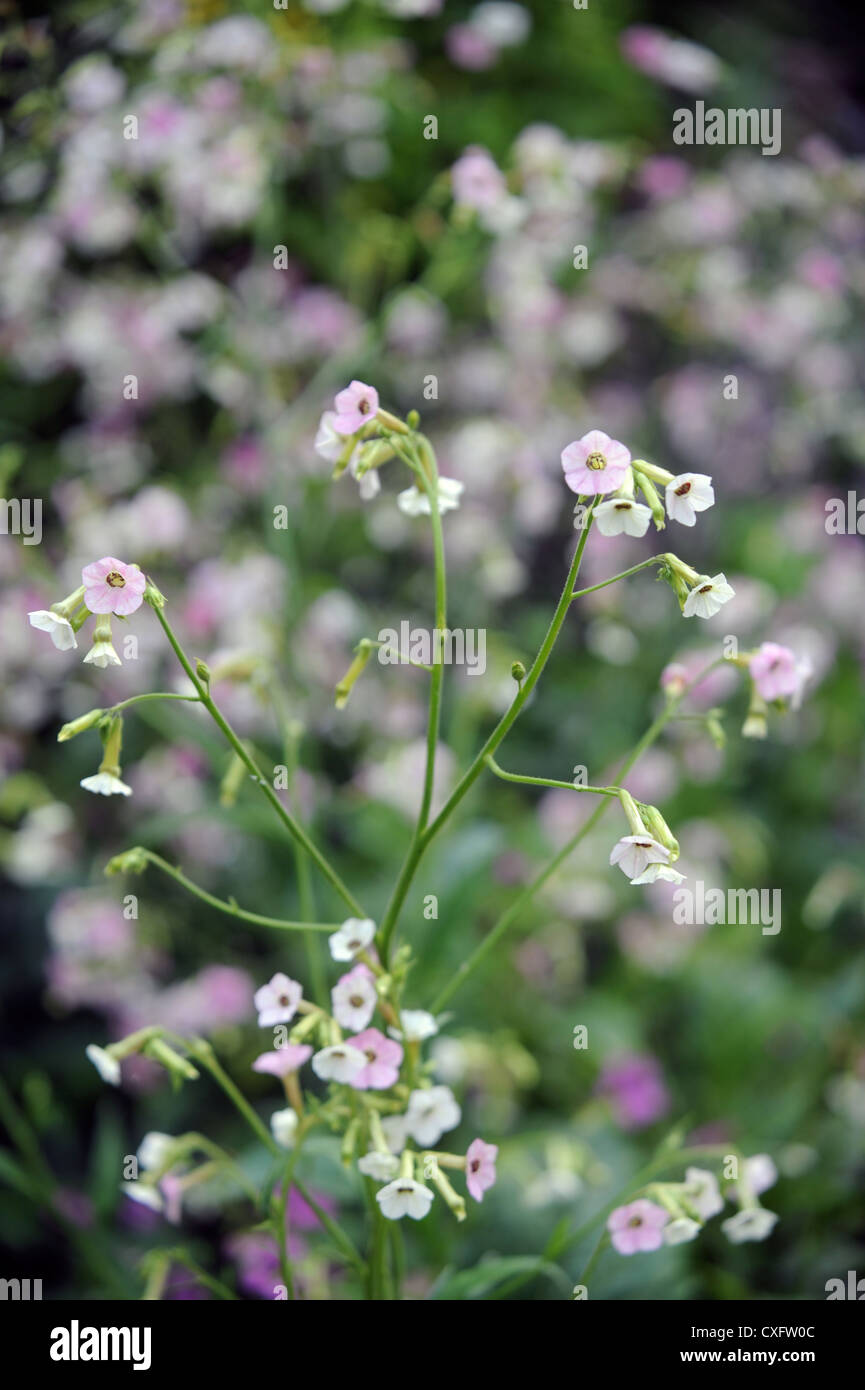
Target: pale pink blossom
277	1001
353	999
480	1168
476	179
110	586
637	1226
774	671
283	1060
355	407
595	464
383	1061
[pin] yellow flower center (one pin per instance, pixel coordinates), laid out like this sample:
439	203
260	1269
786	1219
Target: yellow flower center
596	461
115	580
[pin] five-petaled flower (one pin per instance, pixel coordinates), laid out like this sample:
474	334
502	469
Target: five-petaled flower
277	1001
354	936
688	494
637	1226
356	406
383	1061
480	1168
430	1114
110	586
353	998
708	596
595	464
404	1197
774	671
634	854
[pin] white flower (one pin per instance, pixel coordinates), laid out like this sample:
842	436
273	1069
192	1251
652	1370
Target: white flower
369	483
341	1062
102	654
752	1223
105	784
277	1001
634	854
107	1066
653	872
382	1167
417	1026
430	1114
395	1132
703	1192
620	515
416	503
353	936
353	1001
708	596
681	1229
760	1175
404	1197
283	1127
60	629
154	1149
328	444
688	494
143	1192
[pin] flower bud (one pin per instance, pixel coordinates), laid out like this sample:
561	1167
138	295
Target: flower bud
78	726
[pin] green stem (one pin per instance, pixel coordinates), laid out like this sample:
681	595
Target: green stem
152	695
546	782
495	935
503	727
295	830
653	560
230	908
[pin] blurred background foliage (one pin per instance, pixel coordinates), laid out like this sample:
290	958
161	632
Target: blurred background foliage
279	225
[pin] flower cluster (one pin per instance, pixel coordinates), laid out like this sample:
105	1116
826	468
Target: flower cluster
680	1210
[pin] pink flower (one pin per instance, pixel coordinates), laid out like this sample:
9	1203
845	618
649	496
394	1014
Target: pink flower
277	1001
112	587
477	180
354	998
774	671
595	464
384	1058
480	1168
355	407
283	1060
636	1088
638	1226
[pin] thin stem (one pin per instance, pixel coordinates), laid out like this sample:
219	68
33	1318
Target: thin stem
546	781
652	560
504	725
231	909
152	695
508	917
291	825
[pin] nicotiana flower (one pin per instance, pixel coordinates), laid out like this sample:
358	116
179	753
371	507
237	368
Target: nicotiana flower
637	1226
368	484
688	494
353	999
383	1061
144	1193
774	671
655	871
102	652
680	1230
622	516
751	1223
277	1001
356	406
107	1066
708	596
417	1026
760	1175
404	1197
430	1114
395	1130
480	1168
329	443
154	1149
339	1062
354	936
416	503
283	1060
476	180
634	854
59	628
105	784
110	586
595	464
703	1192
381	1167
283	1127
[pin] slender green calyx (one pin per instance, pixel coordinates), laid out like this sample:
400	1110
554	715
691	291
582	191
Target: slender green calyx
364	651
79	725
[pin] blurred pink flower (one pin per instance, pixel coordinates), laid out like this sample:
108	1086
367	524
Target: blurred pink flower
384	1058
284	1060
774	671
355	407
480	1168
636	1088
637	1226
